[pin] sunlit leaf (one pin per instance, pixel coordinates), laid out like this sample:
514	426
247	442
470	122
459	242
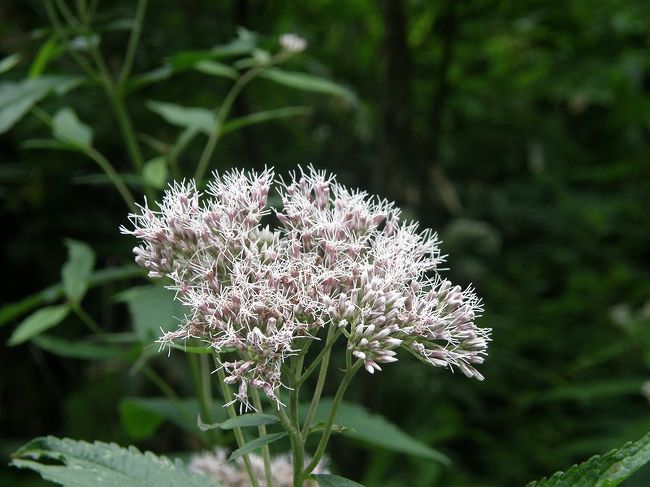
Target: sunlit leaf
49	51
215	68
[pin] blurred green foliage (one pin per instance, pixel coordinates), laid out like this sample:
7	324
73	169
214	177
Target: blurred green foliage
519	130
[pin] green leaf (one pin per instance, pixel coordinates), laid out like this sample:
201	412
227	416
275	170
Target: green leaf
76	272
328	480
152	308
308	82
242	421
155	172
153	76
50	294
258	442
190	117
76	349
215	68
606	470
48	51
67	127
77	463
191	349
182	414
261	117
17	98
375	430
139	423
9	62
38	322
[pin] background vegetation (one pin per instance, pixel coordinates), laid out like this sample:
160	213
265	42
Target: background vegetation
518	130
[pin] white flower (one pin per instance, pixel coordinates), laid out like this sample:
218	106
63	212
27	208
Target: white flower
337	258
292	43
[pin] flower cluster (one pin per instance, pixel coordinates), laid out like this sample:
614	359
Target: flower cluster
336	257
232	474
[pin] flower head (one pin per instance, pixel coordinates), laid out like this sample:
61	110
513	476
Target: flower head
337	258
292	43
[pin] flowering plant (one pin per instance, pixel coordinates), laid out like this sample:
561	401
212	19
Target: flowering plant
339	264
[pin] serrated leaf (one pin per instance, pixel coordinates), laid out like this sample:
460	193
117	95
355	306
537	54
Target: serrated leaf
606	470
67	127
375	430
78	464
155	172
152	308
264	116
7	63
75	349
255	444
76	272
308	82
38	322
242	421
329	480
188	117
214	68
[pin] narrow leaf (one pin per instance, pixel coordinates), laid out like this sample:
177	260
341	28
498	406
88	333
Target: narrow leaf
50	294
76	272
261	117
255	444
78	463
308	82
606	470
376	430
329	480
75	349
215	68
242	421
191	117
47	52
38	322
9	62
67	127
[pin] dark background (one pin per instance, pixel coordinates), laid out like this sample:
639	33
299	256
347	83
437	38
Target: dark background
518	130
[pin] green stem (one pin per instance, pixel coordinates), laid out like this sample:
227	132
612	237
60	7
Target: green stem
266	452
325	351
222	114
133	42
329	341
297	446
88	320
239	436
347	378
205	403
115	178
168	392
